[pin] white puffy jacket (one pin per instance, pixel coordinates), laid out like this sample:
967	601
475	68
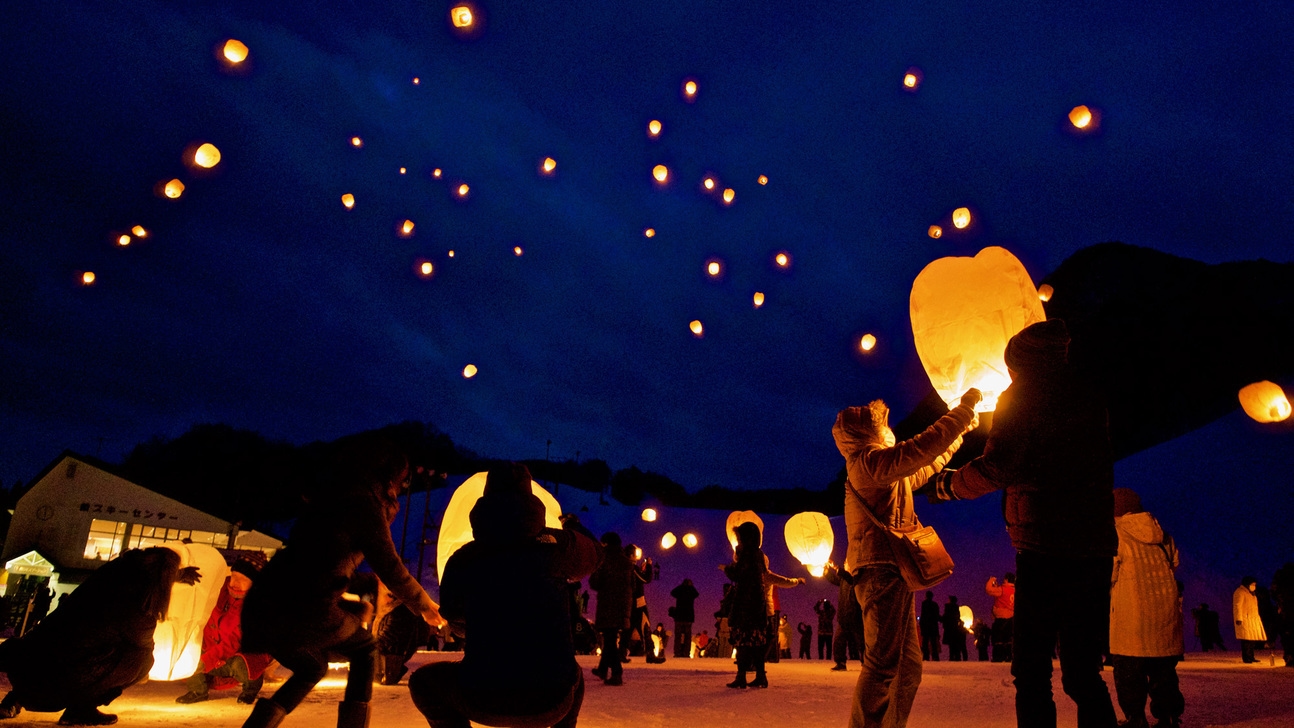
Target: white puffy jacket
1145	606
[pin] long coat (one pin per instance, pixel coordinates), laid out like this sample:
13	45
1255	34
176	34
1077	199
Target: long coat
684	602
222	638
1244	607
613	581
1145	607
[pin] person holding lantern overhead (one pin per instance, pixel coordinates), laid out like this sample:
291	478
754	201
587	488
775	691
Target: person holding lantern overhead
882	474
295	610
1050	451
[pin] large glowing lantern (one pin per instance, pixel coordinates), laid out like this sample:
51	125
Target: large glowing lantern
173	189
1265	402
177	641
235	51
348	200
809	538
207	156
649	514
1080	117
964	310
967	617
961	218
461	16
456	528
660	172
668	540
736	518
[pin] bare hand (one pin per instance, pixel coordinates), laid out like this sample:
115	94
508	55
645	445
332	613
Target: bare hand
189	575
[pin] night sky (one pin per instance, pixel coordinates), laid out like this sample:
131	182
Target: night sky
259	301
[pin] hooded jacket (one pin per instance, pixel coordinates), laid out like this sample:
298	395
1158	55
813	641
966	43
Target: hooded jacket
884	473
1145	607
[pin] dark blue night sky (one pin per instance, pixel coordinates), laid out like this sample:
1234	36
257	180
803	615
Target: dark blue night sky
259	301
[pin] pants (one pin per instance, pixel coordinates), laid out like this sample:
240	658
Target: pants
1002	627
891	673
310	664
610	664
1247	648
957	648
1061	600
982	649
235	667
845	644
438	693
805	652
774	653
682	638
825	651
1136	678
930	646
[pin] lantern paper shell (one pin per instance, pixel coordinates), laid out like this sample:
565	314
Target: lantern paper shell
668	540
967	617
689	540
649	514
736	518
964	310
177	640
809	538
1265	402
456	528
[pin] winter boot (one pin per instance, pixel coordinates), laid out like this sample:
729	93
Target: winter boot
86	715
9	707
740	682
250	690
266	714
352	714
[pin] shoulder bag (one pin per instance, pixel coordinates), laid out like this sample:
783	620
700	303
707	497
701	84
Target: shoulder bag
922	559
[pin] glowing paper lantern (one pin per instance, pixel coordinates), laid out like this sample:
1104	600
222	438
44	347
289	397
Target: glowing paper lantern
689	90
517	251
964	310
809	538
348	200
763	179
697	329
1045	292
668	540
660	172
123	241
177	641
87	278
416	80
782	260
736	518
356	142
649	233
1265	402
961	218
139	231
653	128
758	299
406	228
549	165
649	514
689	540
426	268
1080	117
463	189
867	343
708	183
728	196
436	173
469	371
235	51
967	617
402	170
207	156
461	16
173	189
935	232
456	529
713	268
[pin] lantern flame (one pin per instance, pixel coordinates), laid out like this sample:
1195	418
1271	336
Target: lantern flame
935	232
961	218
469	371
1045	292
235	51
1265	402
689	540
348	200
139	231
649	514
697	329
810	539
660	172
173	189
461	16
653	128
759	299
867	343
668	540
1080	117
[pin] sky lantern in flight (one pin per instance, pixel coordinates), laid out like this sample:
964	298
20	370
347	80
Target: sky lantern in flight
436	173
463	189
697	329
173	189
451	254
461	16
549	165
690	540
867	343
123	240
912	79
713	268
87	278
935	232
963	311
961	218
456	528
139	231
782	259
406	228
403	170
763	179
736	518
469	371
668	540
728	196
1045	292
425	269
967	617
809	538
206	156
1265	402
649	515
1081	117
759	299
649	233
689	90
235	51
653	128
356	142
348	200
517	251
661	173
708	183
416	80
177	640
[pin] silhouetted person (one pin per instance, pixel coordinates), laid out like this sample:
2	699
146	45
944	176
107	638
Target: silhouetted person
826	627
1249	625
929	622
1283	590
806	640
983	639
1049	449
684	614
751	610
954	633
506	591
613	582
849	638
1208	628
1003	615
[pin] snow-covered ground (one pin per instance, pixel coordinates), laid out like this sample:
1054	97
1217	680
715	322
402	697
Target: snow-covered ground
1220	691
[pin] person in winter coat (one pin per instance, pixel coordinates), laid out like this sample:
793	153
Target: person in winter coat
223	662
954	632
929	623
983	638
613	582
295	610
849	638
684	614
784	637
1003	615
751	605
826	627
1249	625
1283	590
97	643
882	474
1049	449
507	592
806	640
1145	617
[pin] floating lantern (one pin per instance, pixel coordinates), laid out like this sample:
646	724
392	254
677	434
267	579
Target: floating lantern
461	16
689	90
964	310
653	128
469	371
697	329
1045	292
451	253
177	640
668	540
689	540
356	142
911	80
206	156
463	189
660	172
649	233
728	196
348	200
867	343
759	299
173	189
713	268
935	232
736	518
649	514
123	241
782	260
235	51
402	170
549	165
139	231
708	183
406	228
763	179
1080	117
967	617
961	218
456	526
426	269
1265	402
638	553
87	278
436	173
416	80
809	538
517	251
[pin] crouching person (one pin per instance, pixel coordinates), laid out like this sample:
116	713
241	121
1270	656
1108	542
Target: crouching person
223	662
506	590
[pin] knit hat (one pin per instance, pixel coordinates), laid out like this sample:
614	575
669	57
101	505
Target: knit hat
508	510
1040	346
1126	501
249	565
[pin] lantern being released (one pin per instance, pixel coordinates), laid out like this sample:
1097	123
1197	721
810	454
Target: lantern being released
964	310
177	641
456	526
809	538
1265	402
736	518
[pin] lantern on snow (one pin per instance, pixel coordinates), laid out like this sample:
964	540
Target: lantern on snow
736	518
177	641
963	311
668	540
1265	402
809	538
456	528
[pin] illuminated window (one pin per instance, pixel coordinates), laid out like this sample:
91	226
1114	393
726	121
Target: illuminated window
104	541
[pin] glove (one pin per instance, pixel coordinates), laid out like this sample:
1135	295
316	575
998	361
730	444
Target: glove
972	397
